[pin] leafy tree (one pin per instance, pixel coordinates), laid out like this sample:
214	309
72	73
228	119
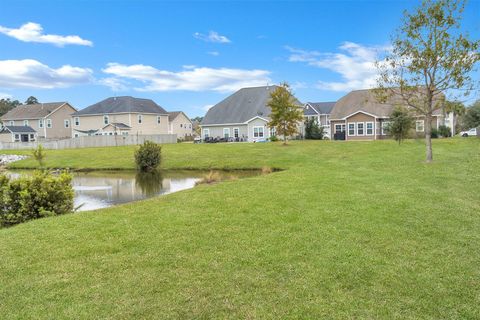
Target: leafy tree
312	130
401	122
31	100
286	113
430	55
457	108
7	105
472	116
148	156
39	155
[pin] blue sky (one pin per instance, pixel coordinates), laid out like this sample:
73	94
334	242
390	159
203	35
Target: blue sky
190	55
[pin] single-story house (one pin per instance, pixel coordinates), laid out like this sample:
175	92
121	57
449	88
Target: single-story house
243	116
50	120
180	124
121	116
320	111
360	115
18	134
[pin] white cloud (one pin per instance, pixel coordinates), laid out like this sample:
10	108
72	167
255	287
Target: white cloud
5	96
213	53
189	79
356	65
207	107
33	74
212	36
33	32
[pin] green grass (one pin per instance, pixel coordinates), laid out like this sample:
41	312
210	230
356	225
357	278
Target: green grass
348	230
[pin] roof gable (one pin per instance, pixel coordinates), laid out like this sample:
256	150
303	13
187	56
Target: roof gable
32	111
18	129
122	105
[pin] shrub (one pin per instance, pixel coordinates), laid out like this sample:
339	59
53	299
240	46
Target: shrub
148	156
33	197
312	130
401	122
273	138
39	155
444	131
434	133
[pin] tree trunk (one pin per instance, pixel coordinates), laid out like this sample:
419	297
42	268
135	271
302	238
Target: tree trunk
284	136
428	137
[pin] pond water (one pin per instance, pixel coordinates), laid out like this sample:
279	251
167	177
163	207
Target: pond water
101	189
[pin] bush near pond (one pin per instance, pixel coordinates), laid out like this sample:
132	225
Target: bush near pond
40	195
148	156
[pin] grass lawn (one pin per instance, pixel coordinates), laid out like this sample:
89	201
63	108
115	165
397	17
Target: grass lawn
348	230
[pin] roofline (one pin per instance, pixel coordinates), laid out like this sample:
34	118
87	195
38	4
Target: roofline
179	114
232	124
38	118
113	125
308	103
101	114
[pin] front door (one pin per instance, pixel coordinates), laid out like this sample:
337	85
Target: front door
24	137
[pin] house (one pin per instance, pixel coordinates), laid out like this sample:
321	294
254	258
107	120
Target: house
359	115
18	134
243	116
48	120
180	124
320	111
120	116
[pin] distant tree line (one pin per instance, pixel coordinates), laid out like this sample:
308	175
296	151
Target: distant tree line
8	104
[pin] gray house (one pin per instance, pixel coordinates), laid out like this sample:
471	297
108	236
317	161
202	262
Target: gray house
320	111
243	116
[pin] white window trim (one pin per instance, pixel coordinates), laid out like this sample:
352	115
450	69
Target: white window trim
356	127
11	123
263	132
66	123
238	132
206	133
373	128
139	119
354	124
106	117
76	121
423	125
159	119
40	123
49	123
226	130
25	123
339	125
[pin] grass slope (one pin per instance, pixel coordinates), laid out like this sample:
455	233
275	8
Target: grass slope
350	230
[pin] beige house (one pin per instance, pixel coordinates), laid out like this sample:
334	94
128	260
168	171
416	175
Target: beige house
360	116
48	120
121	116
18	134
180	124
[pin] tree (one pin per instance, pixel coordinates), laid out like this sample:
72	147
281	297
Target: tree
286	113
429	57
31	100
401	122
39	155
312	130
148	156
472	116
457	109
7	105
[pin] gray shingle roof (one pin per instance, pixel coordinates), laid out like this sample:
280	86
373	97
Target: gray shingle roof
32	111
19	129
320	108
366	100
241	106
120	125
172	115
122	105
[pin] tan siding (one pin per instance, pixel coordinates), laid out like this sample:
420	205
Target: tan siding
186	128
362	118
148	126
58	130
6	137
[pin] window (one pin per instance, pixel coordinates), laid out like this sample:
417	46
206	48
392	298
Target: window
67	123
11	123
351	129
25	123
125	133
17	137
105	119
236	132
75	135
369	128
190	126
32	136
385	125
339	128
40	123
49	123
206	133
140	119
181	125
158	119
258	132
273	132
226	132
76	120
419	125
360	128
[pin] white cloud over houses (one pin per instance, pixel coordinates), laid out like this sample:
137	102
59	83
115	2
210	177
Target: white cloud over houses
191	78
355	64
212	36
30	73
33	32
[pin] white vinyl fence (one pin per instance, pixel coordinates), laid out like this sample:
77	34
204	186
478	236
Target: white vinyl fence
92	142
